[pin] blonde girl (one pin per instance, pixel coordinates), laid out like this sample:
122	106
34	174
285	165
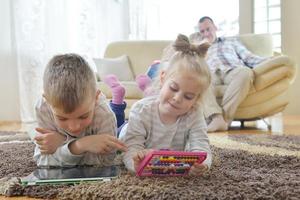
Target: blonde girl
173	119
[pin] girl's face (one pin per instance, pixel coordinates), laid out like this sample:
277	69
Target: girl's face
178	94
76	121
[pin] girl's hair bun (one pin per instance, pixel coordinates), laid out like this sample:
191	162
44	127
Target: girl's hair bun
183	44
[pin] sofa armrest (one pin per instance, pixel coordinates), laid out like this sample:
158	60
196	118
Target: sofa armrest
273	70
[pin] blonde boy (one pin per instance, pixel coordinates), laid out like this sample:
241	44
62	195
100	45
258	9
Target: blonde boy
75	125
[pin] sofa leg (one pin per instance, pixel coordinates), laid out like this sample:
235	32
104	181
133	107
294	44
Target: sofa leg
257	120
242	124
269	125
276	124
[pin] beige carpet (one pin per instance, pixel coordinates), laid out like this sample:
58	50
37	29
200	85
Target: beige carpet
235	174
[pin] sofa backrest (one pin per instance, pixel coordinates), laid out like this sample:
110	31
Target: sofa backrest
259	44
141	53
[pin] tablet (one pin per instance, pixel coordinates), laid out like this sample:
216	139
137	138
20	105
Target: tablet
70	175
169	163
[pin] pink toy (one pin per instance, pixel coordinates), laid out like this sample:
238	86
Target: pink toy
169	163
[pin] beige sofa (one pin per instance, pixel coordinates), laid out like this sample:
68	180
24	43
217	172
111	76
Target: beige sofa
267	96
140	55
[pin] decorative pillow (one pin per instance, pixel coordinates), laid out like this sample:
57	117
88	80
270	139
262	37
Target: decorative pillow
118	66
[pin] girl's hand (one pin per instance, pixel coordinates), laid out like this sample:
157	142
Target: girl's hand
139	156
48	141
198	169
99	144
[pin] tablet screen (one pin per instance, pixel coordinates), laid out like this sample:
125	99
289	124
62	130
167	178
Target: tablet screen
70	175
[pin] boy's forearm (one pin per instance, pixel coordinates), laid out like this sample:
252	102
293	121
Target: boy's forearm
76	147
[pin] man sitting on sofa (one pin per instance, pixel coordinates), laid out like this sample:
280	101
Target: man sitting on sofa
230	64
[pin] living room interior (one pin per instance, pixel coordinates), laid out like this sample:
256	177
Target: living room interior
24	52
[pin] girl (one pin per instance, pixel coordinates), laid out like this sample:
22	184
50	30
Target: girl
172	119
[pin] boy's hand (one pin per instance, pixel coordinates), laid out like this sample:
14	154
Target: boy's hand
139	156
99	144
48	141
198	169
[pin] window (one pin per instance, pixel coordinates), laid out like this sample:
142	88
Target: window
267	19
157	19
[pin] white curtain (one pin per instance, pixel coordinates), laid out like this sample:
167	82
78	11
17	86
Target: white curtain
43	28
137	19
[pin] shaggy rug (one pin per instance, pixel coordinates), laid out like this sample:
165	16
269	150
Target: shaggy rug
235	174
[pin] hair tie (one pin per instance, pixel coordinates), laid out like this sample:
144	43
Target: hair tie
183	44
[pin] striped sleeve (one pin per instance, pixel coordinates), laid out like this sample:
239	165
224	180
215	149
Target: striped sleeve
136	134
198	138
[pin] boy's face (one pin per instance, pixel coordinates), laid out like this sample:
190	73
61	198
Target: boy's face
76	121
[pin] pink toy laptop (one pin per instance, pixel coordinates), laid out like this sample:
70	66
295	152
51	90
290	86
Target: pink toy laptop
169	163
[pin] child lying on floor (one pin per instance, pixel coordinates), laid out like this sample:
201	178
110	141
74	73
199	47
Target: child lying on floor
172	119
75	125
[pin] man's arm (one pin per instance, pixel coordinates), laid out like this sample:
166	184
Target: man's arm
246	56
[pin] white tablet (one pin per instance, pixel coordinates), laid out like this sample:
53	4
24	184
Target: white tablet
70	175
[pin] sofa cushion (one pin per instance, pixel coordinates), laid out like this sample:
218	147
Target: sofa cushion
118	66
132	90
140	52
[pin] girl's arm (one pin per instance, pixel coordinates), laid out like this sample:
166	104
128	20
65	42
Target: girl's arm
198	138
135	138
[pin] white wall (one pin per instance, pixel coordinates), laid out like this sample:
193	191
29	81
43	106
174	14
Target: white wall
290	34
245	16
291	46
9	103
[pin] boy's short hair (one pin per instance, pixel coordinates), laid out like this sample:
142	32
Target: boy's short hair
68	82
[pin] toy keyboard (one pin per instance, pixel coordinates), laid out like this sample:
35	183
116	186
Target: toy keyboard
169	163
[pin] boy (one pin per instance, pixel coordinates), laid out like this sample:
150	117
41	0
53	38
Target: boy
75	125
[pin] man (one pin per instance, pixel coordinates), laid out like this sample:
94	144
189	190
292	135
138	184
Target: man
230	64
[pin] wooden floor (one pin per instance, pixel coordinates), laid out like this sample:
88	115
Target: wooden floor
280	125
288	125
